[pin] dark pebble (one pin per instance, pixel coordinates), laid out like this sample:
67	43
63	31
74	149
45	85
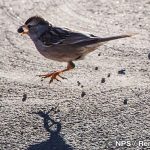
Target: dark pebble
24	97
125	102
52	109
82	86
103	80
108	75
122	71
149	56
35	128
99	54
96	68
78	82
83	94
58	111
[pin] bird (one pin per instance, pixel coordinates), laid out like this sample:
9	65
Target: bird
61	44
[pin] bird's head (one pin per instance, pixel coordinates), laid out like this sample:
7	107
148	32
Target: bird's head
34	26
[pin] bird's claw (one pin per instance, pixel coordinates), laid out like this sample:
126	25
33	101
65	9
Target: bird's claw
62	77
53	76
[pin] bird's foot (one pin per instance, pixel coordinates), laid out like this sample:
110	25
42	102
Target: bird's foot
53	76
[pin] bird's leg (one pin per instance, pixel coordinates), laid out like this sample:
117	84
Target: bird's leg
54	75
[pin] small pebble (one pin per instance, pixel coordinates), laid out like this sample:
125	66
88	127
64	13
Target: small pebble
83	94
99	54
149	56
58	110
24	97
103	80
52	109
35	128
108	75
78	82
82	86
125	102
122	71
96	68
140	25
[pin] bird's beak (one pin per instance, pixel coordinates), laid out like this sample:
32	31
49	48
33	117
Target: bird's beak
23	30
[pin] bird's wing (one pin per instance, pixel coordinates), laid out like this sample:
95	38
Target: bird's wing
79	39
59	36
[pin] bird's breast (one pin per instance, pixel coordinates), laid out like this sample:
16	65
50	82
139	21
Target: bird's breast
56	53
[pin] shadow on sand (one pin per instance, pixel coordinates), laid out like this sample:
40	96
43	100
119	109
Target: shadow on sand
55	141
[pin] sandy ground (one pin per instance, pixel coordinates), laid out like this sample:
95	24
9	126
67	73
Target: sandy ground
94	115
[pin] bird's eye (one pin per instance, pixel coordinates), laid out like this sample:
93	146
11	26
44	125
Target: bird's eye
29	26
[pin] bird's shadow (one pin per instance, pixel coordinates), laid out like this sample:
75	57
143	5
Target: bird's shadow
55	141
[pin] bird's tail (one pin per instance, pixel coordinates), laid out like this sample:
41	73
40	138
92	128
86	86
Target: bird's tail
116	37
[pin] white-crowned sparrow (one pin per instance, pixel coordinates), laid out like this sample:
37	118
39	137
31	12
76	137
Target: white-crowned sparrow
61	44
